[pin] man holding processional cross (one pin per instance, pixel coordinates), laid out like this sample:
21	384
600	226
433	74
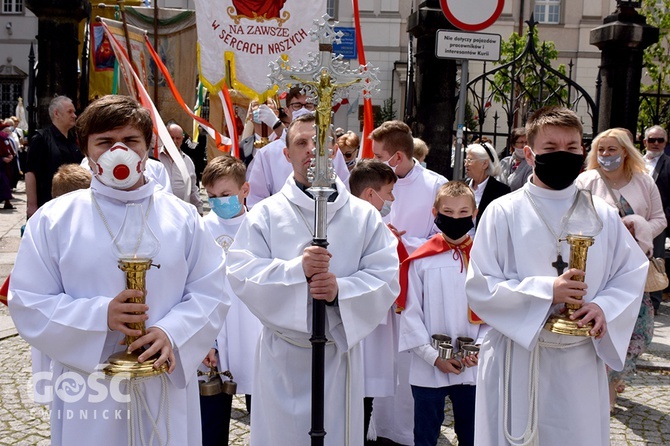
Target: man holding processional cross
281	273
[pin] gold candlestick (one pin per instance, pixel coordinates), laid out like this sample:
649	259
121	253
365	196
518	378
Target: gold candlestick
125	361
562	324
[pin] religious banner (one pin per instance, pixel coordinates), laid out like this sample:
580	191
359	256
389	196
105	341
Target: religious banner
237	39
138	57
137	85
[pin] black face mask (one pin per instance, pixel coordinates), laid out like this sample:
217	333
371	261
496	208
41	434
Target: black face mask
454	228
558	169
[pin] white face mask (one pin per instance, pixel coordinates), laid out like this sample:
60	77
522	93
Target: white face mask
119	167
519	153
387	162
386	207
302	111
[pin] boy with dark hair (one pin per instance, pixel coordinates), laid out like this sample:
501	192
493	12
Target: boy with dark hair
68	297
373	181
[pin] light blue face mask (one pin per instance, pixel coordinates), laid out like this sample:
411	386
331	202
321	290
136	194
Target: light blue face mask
386	207
610	163
225	207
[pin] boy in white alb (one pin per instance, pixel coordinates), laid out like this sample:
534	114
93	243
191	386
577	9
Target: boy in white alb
224	180
433	284
68	298
412	221
373	181
555	385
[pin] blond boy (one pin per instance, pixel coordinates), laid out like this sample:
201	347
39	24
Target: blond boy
433	281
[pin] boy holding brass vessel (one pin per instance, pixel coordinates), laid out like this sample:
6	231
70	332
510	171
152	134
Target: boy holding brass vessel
224	179
433	287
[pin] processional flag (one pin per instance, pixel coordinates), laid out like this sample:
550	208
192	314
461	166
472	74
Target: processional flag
131	69
237	39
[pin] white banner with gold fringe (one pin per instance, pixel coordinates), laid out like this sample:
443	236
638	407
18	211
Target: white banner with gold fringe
237	39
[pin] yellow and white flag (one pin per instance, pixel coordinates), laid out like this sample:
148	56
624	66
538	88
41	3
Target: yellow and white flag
238	38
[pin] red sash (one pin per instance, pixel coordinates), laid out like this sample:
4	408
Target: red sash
435	245
4	290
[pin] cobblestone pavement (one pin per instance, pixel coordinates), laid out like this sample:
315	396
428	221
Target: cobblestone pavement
642	416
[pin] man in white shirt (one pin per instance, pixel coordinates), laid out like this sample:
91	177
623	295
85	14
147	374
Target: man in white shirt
176	181
658	166
270	168
275	271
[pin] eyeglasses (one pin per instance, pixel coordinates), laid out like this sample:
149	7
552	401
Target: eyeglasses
350	153
295	106
655	140
469	161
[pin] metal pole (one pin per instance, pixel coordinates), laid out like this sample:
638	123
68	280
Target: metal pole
126	34
31	107
326	83
156	73
460	120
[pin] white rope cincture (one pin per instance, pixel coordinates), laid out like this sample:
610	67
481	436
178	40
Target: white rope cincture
347	427
530	434
137	406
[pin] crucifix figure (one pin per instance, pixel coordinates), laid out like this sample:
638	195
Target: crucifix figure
327	79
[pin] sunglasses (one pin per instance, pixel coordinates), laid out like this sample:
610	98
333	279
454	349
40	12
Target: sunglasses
655	140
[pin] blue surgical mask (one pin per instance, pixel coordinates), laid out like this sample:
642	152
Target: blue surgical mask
225	207
386	207
610	163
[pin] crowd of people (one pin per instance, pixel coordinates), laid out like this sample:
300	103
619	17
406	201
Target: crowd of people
432	288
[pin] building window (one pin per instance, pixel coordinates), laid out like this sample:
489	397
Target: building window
12	6
331	8
548	11
10	90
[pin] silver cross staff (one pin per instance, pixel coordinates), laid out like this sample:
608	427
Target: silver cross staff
327	79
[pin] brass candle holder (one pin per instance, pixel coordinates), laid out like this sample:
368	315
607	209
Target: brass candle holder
135	246
125	361
561	323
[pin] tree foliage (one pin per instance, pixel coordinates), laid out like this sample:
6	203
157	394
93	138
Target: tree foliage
656	59
534	86
385	112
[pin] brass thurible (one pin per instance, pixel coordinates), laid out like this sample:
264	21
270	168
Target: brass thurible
215	385
561	323
127	362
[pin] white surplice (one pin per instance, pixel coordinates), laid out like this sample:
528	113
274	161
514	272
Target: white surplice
510	286
63	280
270	169
436	304
411	212
412	208
238	339
265	270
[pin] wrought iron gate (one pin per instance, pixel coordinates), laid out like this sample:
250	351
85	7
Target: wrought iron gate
522	86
